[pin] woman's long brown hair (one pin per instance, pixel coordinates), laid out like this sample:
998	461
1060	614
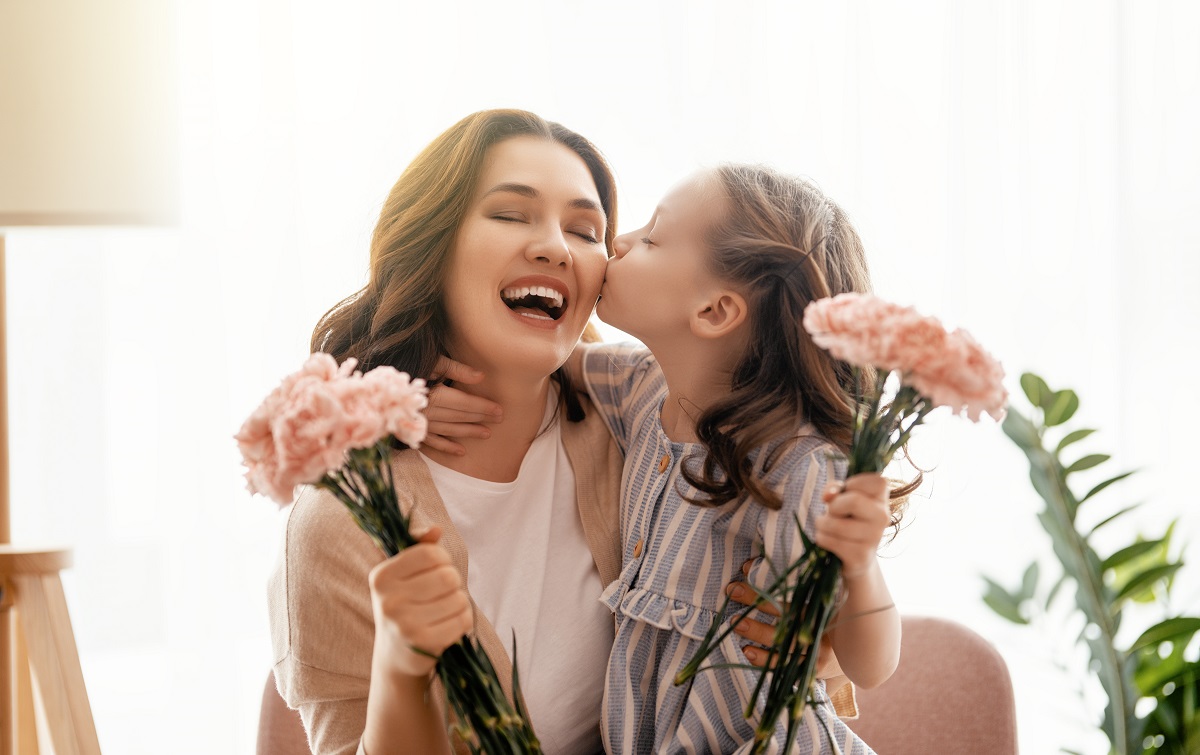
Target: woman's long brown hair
784	244
399	317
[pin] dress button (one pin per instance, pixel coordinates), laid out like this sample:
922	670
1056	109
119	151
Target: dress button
663	463
637	549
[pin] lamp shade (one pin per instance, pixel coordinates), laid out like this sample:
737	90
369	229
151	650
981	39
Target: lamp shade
88	112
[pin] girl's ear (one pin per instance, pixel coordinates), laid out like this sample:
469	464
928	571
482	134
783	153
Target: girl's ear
723	313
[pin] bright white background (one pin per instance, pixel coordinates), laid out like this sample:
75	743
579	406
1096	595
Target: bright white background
1027	170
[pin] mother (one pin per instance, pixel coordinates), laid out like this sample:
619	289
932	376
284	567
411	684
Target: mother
490	249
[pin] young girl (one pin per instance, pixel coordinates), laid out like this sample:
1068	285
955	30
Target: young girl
732	407
733	424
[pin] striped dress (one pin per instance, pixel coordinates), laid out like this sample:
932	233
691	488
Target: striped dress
677	558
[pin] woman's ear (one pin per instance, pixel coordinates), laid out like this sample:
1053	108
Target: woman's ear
722	314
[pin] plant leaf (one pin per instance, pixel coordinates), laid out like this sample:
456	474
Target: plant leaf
1029	582
1021	431
1003	602
1170	630
1054	590
1087	462
1145	579
1062	407
1035	388
1129	552
1072	437
1105	484
1106	520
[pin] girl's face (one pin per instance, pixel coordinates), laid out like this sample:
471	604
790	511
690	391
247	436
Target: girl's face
660	275
528	259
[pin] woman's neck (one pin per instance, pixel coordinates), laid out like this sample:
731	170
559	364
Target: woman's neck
498	458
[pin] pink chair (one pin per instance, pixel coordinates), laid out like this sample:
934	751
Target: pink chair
951	693
280	731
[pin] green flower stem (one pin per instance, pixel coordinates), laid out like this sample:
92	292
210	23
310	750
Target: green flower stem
488	723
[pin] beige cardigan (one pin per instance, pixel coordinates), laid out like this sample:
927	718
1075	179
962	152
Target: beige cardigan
322	626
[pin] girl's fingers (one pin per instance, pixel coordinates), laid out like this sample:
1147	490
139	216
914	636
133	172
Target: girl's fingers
449	403
873	485
444	445
448	369
452	430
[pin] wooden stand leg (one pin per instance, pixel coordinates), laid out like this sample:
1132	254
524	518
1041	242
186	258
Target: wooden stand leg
32	578
25	716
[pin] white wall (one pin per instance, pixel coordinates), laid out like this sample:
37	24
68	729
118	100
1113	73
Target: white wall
1026	170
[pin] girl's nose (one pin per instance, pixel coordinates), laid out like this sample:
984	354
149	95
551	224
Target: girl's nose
622	244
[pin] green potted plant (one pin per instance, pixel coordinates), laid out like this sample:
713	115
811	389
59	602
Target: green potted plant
1153	667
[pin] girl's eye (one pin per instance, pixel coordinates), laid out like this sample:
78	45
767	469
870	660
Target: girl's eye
646	240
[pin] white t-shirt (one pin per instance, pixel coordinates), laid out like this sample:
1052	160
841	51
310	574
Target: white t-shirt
531	572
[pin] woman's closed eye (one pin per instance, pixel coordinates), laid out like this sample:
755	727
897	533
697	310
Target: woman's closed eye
587	234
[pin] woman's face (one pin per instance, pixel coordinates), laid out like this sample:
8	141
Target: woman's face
528	259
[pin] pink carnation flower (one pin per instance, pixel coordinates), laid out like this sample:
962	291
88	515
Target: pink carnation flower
949	369
304	427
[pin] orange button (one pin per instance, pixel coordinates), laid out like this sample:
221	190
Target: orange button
637	549
663	463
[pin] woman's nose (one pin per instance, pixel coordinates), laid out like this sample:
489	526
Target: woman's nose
551	247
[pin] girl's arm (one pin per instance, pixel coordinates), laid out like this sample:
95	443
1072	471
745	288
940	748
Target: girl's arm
454	414
418	602
865	632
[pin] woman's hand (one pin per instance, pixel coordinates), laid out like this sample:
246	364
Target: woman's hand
456	414
857	514
419	603
764	634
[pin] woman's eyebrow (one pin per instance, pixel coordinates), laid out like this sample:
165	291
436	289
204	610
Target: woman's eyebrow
526	190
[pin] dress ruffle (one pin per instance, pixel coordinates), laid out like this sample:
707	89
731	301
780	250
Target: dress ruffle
661	611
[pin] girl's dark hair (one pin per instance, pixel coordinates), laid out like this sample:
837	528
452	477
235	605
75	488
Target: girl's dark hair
399	317
783	243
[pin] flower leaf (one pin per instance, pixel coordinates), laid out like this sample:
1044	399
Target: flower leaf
1035	388
1171	630
1105	484
1087	462
1061	408
1072	437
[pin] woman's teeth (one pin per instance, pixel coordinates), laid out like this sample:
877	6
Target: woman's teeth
552	297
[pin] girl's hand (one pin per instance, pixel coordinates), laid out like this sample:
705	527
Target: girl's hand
858	513
419	603
456	414
764	634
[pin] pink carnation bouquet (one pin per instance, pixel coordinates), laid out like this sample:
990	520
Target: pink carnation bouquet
936	368
332	427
